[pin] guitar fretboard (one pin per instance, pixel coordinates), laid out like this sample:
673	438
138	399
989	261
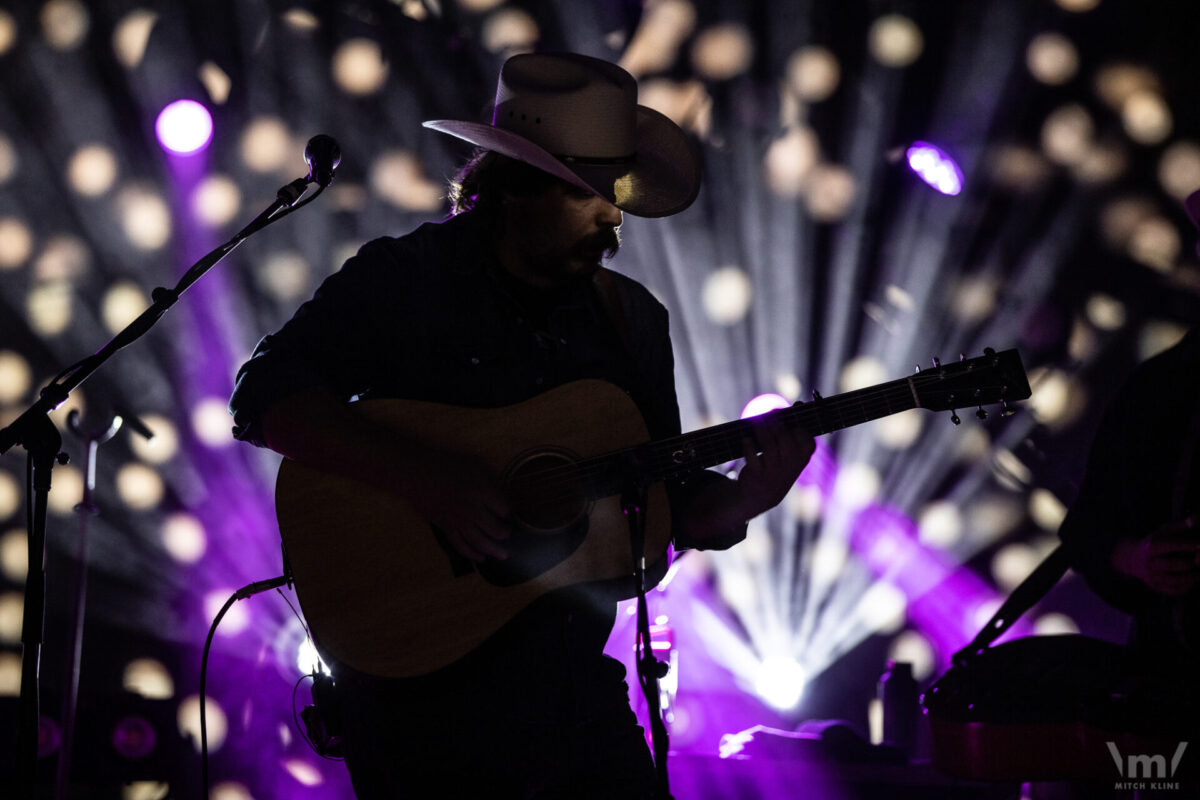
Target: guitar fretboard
995	377
681	455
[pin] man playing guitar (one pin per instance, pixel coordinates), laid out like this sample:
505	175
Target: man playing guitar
498	329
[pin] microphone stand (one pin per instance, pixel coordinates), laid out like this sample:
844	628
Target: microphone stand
649	669
34	431
86	509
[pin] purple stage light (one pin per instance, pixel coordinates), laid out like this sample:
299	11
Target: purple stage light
764	403
935	167
184	127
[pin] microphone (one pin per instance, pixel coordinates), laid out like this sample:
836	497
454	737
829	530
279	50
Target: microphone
322	154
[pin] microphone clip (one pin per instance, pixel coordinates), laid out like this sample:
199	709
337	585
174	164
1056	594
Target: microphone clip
292	192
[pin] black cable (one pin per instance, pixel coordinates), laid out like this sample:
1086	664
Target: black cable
203	682
248	590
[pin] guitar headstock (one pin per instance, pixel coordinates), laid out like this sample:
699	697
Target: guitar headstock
973	382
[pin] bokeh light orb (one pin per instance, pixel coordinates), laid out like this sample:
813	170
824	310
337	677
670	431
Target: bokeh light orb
1052	58
895	40
10	674
14	554
10	495
65	24
790	160
16	377
913	648
66	491
1055	624
723	51
1179	169
305	773
12	609
211	423
184	127
163	447
726	295
48	308
188	720
183	537
139	486
8	31
231	790
830	192
148	678
813	73
359	67
92	170
146	790
510	31
16	243
131	36
236	619
1067	134
216	200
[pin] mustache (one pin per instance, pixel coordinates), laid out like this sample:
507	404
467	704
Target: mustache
607	242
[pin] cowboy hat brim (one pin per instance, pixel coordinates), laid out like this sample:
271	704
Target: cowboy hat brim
662	177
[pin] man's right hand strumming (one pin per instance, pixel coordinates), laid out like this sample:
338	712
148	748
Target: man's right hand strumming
465	502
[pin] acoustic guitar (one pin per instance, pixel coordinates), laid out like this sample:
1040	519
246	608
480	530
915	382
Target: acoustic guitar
385	594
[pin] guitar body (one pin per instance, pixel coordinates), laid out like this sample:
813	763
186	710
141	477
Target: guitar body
381	590
385	594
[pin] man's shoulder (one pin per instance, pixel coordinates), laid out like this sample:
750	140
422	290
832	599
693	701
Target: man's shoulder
634	291
429	246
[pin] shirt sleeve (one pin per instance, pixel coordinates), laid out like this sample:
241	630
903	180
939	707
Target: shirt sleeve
657	363
328	342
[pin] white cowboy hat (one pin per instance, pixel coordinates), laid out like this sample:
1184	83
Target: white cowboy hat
577	118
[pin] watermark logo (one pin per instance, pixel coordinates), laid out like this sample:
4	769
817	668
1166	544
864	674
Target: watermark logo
1146	771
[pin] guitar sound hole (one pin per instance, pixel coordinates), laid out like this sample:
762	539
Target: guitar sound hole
551	515
546	492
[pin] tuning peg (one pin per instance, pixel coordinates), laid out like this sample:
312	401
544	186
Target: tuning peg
954	417
817	396
918	369
988	351
981	413
961	358
937	362
1008	410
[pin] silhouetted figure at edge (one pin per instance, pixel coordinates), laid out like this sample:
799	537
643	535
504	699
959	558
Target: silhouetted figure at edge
1134	534
497	304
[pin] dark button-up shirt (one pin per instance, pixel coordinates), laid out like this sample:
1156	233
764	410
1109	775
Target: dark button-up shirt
432	316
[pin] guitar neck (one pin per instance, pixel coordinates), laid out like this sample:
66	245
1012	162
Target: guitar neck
667	459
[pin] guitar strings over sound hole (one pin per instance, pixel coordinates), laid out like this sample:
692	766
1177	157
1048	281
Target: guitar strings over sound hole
546	491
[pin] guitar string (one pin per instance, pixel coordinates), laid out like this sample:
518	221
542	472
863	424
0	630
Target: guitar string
560	482
721	437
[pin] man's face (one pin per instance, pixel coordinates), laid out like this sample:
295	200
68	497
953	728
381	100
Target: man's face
559	234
